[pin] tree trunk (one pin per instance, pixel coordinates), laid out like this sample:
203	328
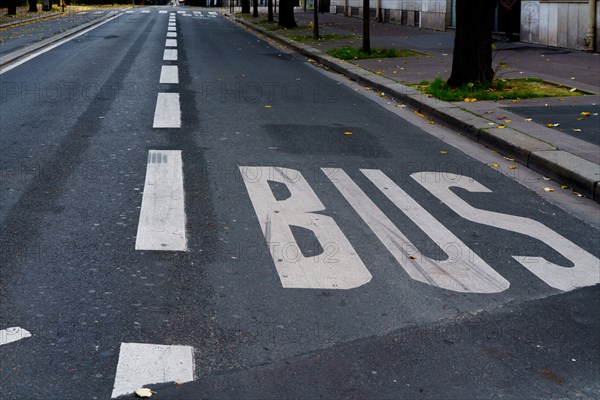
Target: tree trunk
245	6
286	14
12	7
33	6
270	10
366	42
255	11
472	60
316	19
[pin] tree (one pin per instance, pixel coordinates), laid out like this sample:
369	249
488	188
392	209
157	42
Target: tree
245	6
472	59
33	6
12	7
316	19
366	42
255	9
286	14
270	10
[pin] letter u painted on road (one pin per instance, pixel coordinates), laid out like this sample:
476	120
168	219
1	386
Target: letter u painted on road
342	270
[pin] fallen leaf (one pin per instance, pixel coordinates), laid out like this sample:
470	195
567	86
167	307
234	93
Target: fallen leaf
495	165
501	126
546	179
144	392
268	106
552	125
572	90
576	130
347	133
443	152
503	117
585	114
512	167
420	115
507	120
413	257
564	187
547	189
577	194
528	119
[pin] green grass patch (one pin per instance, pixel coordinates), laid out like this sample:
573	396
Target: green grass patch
329	37
352	53
501	89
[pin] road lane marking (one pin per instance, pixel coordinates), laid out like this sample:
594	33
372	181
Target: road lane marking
171	34
129	12
168	112
143	364
162	216
171	43
145	11
586	269
171	24
170	55
169	74
162	12
336	267
13	334
171	29
180	12
462	271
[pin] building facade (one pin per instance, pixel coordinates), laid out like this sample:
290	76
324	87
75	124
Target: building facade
561	23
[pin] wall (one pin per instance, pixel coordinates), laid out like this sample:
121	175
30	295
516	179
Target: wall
560	23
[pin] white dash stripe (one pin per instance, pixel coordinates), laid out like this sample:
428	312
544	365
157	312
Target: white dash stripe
171	43
142	364
171	34
167	113
162	12
169	74
172	24
171	29
180	12
170	55
145	11
13	334
162	216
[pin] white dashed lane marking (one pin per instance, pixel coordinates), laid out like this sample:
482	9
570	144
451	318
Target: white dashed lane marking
143	364
171	43
171	34
170	55
13	334
167	113
169	74
162	216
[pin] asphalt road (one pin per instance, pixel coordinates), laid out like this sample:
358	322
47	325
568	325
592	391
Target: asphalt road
298	190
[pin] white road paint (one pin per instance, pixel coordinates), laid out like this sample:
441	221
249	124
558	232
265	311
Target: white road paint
143	364
167	113
171	29
337	267
171	43
13	334
213	13
145	11
180	12
461	271
170	55
162	216
162	12
129	12
586	269
171	24
171	34
55	45
169	74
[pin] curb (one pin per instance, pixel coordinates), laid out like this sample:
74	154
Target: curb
25	21
21	53
542	157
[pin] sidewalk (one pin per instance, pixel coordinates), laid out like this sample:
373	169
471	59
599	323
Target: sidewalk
568	153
